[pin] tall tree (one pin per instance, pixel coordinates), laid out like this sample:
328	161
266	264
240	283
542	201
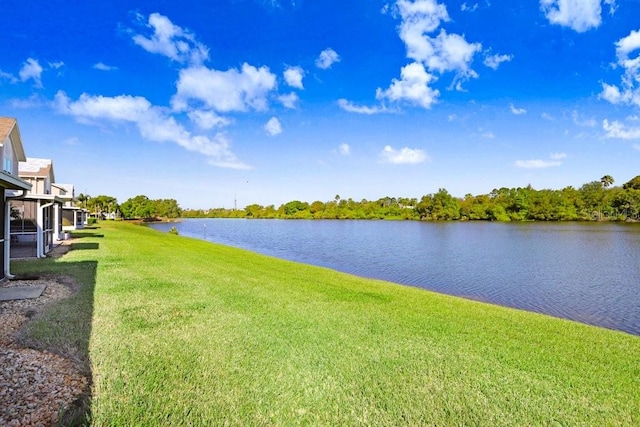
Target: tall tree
633	183
444	206
593	194
81	200
166	208
137	207
101	203
607	181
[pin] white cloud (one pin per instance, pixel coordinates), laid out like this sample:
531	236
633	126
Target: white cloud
579	121
104	67
224	91
611	94
152	123
626	45
517	111
419	18
547	116
360	109
293	76
327	58
403	156
34	101
629	90
615	129
171	41
636	147
445	52
438	54
488	135
74	140
289	100
537	164
56	65
207	119
273	127
344	149
580	15
451	52
468	8
413	87
280	5
494	61
8	76
31	70
555	159
119	108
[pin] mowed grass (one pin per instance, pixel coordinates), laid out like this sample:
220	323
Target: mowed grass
185	332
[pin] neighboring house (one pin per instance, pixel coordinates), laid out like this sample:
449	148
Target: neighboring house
37	217
73	217
11	185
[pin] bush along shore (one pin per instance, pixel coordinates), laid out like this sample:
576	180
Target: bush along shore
594	201
178	331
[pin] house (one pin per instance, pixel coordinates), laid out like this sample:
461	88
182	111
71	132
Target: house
73	217
11	185
37	217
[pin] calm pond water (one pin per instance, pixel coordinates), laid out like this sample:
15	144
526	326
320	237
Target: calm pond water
580	271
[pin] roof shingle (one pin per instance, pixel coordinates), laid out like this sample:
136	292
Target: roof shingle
6	126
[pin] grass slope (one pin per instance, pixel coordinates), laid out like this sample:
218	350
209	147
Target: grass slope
184	332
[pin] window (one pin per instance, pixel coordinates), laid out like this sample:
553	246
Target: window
7	165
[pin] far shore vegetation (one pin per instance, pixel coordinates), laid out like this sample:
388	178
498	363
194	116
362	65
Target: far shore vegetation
177	331
594	201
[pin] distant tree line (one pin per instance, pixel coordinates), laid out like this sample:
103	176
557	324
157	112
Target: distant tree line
139	207
142	207
593	201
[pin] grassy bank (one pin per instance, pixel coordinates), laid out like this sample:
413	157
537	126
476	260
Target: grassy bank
184	332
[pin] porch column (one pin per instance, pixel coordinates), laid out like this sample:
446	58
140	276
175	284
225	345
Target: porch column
57	221
7	236
39	231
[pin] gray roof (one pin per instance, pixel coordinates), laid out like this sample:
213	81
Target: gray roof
68	188
9	126
36	167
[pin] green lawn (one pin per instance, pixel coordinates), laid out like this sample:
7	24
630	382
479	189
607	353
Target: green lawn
184	332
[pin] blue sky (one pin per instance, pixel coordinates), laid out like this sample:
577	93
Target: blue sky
268	101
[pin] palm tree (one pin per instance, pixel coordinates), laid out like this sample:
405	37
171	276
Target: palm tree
82	199
606	180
